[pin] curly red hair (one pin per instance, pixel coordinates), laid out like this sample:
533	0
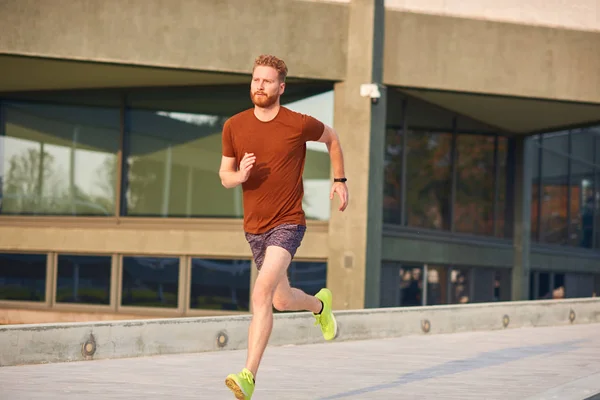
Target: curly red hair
278	64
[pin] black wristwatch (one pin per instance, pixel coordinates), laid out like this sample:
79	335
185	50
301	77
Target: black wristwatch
340	180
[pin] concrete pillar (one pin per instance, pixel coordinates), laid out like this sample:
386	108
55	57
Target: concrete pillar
522	150
355	235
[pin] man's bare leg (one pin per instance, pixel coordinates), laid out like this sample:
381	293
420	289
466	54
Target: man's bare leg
287	298
273	269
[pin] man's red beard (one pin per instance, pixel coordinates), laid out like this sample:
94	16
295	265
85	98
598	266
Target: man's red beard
263	101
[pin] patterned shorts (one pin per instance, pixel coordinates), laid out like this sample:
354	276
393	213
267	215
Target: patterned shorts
287	236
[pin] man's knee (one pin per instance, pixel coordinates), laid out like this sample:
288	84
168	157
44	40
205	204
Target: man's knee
262	297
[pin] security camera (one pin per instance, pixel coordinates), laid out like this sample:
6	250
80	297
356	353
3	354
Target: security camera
370	90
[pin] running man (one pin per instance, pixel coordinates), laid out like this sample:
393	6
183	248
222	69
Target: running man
264	150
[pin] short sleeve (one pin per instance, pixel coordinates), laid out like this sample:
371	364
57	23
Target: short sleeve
227	141
312	128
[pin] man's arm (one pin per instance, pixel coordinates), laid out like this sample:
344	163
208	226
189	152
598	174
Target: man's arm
229	173
331	139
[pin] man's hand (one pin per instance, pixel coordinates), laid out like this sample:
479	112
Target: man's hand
342	190
246	165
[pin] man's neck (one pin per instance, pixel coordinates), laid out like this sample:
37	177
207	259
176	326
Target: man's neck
266	114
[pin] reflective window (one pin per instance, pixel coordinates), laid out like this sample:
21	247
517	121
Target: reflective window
501	207
150	281
546	285
411	286
172	166
309	277
401	285
220	284
428	179
475	186
554	224
83	279
582	144
23	277
437	285
460	289
486	285
392	190
582	205
535	190
59	160
569	192
452	173
596	200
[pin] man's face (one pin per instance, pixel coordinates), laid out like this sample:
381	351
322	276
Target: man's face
265	88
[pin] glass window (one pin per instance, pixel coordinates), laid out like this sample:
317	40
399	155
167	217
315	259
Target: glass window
392	190
150	281
23	277
597	159
59	160
437	285
554	222
596	200
502	201
485	284
401	285
475	186
460	286
316	176
220	284
411	286
582	142
173	164
502	285
428	179
557	142
83	279
309	277
582	205
535	190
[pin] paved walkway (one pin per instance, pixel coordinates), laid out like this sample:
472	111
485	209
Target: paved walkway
534	363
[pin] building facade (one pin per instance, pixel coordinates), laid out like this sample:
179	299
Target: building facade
473	168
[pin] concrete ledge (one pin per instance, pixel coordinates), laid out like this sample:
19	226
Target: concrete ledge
48	343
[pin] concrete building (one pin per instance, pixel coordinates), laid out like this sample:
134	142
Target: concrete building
474	167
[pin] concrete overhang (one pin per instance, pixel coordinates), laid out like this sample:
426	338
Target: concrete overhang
19	73
453	54
202	35
512	115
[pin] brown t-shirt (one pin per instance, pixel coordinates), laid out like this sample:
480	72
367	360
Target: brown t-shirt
273	192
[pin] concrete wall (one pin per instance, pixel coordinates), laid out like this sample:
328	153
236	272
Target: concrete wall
218	238
119	339
201	35
469	55
577	15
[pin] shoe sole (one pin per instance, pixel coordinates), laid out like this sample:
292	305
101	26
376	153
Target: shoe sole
335	327
237	391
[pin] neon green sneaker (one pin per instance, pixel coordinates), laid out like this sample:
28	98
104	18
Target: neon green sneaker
326	319
242	384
